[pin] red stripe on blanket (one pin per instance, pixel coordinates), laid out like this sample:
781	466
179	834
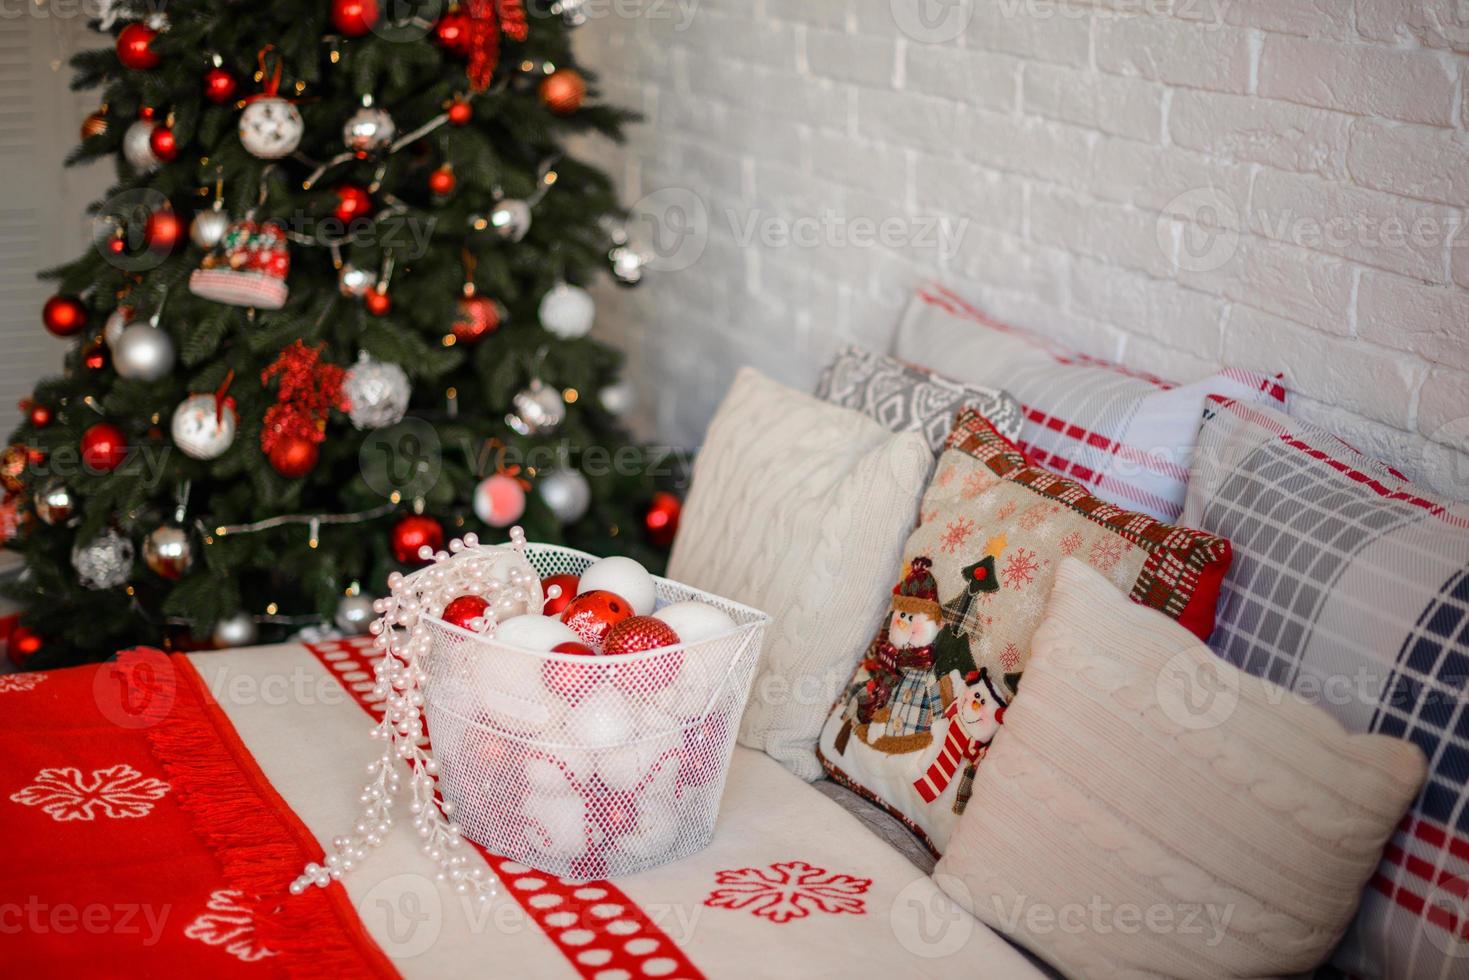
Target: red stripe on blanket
1095	440
594	924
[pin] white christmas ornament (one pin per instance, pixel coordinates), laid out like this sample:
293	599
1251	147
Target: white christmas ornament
354	614
377	393
539	409
117	322
535	632
104	562
603	718
623	577
208	227
271	127
567	311
238	630
143	352
545	777
694	621
618	398
204	426
510	219
567	494
352	281
136	148
556	826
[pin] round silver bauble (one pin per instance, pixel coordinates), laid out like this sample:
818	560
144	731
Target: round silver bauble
352	281
377	393
539	409
238	630
136	148
567	494
354	614
55	503
368	130
208	227
143	352
510	219
168	551
104	562
567	311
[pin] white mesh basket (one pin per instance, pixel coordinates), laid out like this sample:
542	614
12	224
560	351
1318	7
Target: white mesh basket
589	767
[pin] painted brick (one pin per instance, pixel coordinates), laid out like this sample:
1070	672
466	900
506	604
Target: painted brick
1121	106
1034	148
1443	407
1415	161
1135	173
1039	30
1310	288
1411	85
1306	18
1431	23
945	186
905	118
851	163
1107	232
1181	318
850	57
1277	134
989	82
1431	321
1160	49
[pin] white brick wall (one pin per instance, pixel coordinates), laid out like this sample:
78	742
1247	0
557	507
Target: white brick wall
1277	184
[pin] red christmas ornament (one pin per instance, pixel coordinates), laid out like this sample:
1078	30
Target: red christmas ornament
104	447
563	91
452	34
442	180
352	202
293	456
460	112
40	416
377	301
163	144
637	634
219	86
163	230
64	315
22	645
568	585
661	518
465	609
592	614
478	318
413	532
133	47
94	357
571	682
614	813
354	18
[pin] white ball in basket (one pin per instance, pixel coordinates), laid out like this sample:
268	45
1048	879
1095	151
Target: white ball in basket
603	718
626	767
555	825
694	621
532	632
511	693
624	577
545	777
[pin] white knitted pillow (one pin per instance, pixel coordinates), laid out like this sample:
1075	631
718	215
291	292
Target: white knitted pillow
800	509
1148	809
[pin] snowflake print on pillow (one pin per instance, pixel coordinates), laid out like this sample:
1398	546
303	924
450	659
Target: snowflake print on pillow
788	890
19	682
118	792
915	721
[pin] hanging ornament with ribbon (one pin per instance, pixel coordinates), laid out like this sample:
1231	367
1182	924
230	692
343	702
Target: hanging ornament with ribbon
271	126
488	19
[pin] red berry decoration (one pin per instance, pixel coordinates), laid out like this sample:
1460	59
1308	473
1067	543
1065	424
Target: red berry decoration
162	230
568	585
661	518
104	447
219	86
412	533
134	47
465	610
354	18
377	301
452	33
293	456
352	202
22	645
64	315
163	144
442	180
460	112
592	614
571	682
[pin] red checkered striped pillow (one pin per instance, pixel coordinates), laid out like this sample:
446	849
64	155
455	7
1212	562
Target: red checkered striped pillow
1128	437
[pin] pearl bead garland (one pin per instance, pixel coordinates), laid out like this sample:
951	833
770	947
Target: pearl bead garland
503	575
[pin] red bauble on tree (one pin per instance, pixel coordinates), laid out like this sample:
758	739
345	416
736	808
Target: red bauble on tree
352	202
104	447
661	518
452	33
22	645
465	610
219	85
478	318
163	230
413	532
354	18
40	416
460	112
163	144
134	47
377	301
442	180
64	315
293	456
563	91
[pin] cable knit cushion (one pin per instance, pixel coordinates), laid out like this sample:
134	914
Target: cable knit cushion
978	571
906	398
798	508
1127	436
1351	587
1149	810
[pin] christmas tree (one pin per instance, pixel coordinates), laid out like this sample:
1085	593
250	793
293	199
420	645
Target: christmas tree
334	314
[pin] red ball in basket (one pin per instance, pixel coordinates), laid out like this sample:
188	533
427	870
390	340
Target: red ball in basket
593	614
568	680
638	634
466	609
570	586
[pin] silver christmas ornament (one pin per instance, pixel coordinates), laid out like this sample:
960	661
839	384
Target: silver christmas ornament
143	352
238	630
618	398
354	614
271	127
539	409
368	130
567	311
352	281
104	562
168	551
208	227
55	503
573	13
377	392
136	149
510	219
117	322
627	265
203	427
567	493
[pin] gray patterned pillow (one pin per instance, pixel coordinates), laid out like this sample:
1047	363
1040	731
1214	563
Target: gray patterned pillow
906	398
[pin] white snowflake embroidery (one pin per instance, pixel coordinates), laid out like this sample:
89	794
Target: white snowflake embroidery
788	890
19	682
230	923
117	792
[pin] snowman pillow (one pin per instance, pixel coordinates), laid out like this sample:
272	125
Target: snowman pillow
913	724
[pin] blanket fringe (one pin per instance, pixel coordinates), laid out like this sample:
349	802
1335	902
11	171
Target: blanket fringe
258	849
